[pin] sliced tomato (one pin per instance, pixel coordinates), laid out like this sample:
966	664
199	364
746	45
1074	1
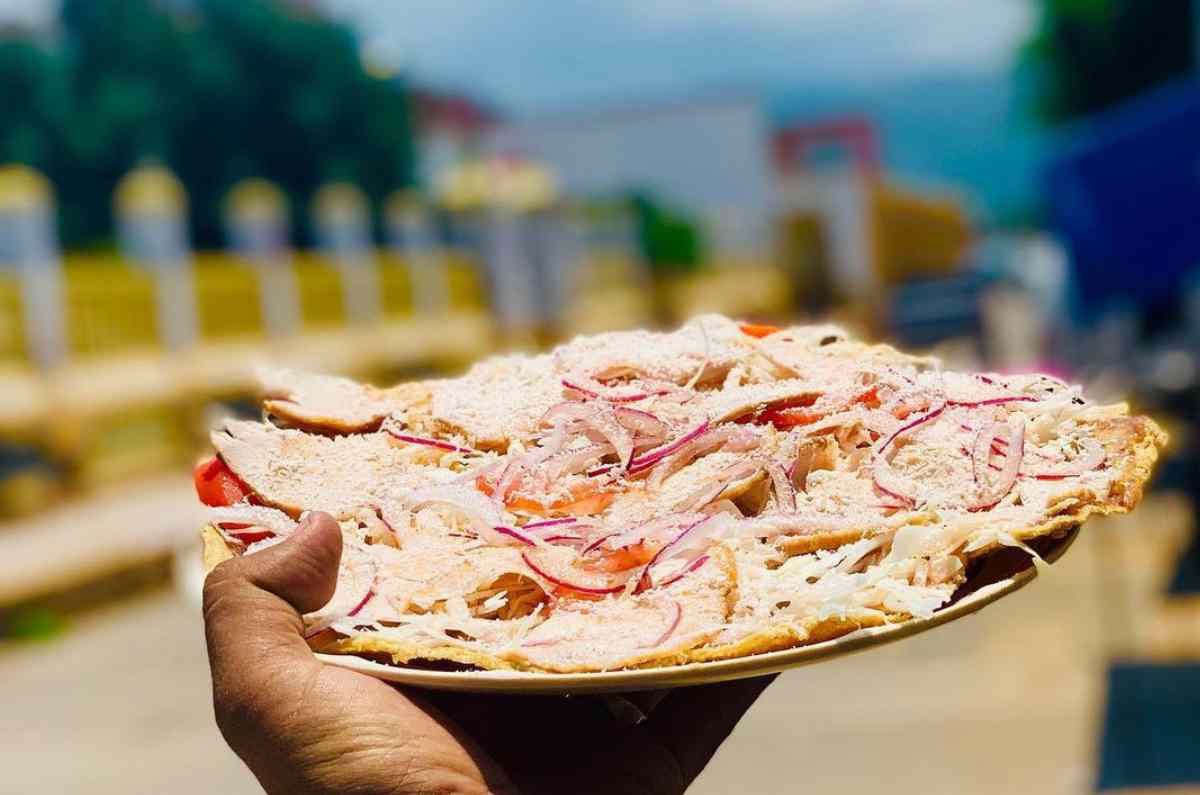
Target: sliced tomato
525	505
757	330
483	485
216	485
870	398
585	506
792	418
562	592
585	500
623	558
779	414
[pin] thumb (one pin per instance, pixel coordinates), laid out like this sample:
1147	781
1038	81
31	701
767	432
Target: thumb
252	604
252	608
302	569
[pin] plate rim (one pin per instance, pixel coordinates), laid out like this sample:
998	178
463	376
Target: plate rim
695	673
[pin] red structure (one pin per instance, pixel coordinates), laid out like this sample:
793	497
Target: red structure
450	112
791	145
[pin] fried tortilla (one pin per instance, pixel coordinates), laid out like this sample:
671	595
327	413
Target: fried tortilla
639	499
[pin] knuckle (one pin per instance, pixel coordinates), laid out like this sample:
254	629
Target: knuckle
220	583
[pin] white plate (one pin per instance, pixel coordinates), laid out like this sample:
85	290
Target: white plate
997	578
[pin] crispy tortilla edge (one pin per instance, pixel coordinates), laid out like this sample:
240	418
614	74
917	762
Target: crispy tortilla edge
1137	438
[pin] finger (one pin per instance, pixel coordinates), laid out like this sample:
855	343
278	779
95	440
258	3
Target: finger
267	591
301	570
252	608
692	722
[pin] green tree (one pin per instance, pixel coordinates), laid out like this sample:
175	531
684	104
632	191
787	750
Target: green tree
219	91
671	242
1089	55
34	106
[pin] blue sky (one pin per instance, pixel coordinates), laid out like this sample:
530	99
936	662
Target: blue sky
936	75
540	55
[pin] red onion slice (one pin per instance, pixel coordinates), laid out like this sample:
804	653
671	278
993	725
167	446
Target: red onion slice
889	483
550	523
884	478
593	389
708	442
654	456
991	494
563	537
599	418
685	571
358	607
330	614
597	542
932	414
643	579
546	575
981	452
512	532
672	625
430	442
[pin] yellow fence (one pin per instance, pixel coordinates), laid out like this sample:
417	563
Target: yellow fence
395	286
13	348
462	279
228	298
319	287
109	307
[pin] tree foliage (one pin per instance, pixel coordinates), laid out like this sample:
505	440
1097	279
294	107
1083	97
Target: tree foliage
223	90
1089	55
670	240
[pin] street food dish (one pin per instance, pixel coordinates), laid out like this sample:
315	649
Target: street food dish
643	500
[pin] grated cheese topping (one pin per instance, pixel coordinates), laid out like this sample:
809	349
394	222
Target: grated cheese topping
774	484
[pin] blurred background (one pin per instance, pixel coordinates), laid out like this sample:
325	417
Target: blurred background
392	190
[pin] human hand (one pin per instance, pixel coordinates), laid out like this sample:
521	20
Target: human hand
305	727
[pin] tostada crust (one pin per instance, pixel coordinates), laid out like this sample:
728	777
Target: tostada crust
351	461
1136	440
